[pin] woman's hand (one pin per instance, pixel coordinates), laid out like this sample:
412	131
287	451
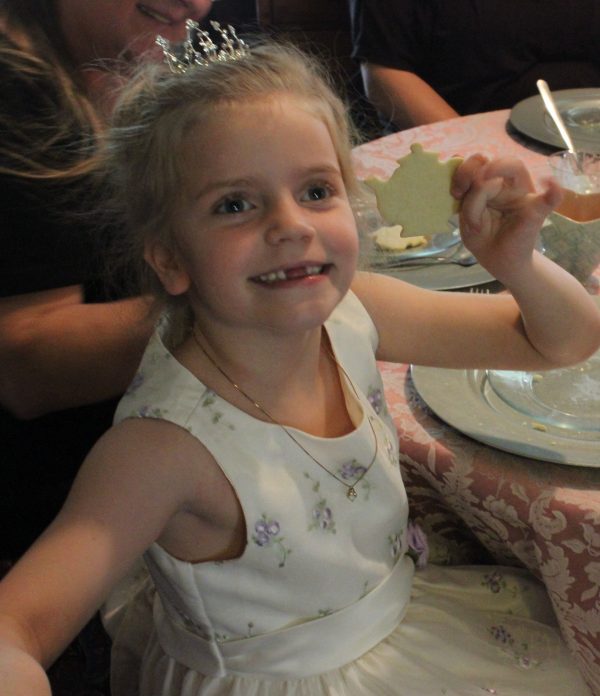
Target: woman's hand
501	214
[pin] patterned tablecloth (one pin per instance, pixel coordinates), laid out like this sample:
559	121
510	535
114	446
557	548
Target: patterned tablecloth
479	503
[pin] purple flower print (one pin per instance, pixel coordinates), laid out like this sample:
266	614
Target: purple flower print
395	545
147	411
418	548
494	581
323	517
265	529
136	383
352	470
501	634
375	397
266	534
519	651
390	451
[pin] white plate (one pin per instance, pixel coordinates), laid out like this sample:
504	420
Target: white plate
439	243
446	276
443	276
580	109
466	400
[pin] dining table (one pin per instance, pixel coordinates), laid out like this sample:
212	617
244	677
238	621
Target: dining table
483	503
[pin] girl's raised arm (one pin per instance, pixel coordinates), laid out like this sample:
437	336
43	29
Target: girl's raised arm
125	494
548	320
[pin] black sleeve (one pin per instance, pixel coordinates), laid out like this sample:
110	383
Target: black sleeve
393	33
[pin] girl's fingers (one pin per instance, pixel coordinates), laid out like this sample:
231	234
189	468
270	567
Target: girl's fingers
475	203
489	190
553	194
465	173
475	170
514	173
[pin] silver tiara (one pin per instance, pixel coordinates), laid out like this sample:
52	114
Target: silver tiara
182	56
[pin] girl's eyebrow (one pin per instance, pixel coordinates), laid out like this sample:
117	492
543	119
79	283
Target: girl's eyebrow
222	183
241	183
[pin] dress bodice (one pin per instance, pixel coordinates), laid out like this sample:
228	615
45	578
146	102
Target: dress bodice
311	553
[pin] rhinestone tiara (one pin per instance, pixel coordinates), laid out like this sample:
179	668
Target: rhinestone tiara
180	57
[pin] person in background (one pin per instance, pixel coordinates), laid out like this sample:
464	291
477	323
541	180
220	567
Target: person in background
253	460
429	60
68	348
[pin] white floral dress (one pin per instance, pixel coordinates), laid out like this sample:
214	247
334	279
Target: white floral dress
322	600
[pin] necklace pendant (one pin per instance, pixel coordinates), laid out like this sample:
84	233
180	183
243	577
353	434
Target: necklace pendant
351	494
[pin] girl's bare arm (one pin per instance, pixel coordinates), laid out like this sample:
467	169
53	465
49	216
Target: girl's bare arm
129	488
549	320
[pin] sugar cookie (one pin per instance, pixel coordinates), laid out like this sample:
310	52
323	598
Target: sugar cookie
417	195
390	239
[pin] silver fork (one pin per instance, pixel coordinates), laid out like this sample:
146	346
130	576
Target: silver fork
462	257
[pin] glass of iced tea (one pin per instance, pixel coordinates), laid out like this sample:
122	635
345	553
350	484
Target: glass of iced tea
579	176
571	235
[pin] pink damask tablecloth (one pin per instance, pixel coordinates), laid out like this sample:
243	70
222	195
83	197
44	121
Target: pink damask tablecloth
479	503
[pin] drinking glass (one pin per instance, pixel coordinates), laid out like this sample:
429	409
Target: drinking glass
579	176
571	236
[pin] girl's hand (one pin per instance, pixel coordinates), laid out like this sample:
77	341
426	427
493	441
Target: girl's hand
501	214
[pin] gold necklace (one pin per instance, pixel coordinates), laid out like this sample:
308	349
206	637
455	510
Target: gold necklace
351	492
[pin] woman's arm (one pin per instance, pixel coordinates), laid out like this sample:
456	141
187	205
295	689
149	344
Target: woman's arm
403	97
57	352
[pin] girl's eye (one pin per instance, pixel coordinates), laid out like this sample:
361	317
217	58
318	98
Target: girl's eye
317	193
233	205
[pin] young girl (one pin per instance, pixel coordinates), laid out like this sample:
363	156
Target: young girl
251	460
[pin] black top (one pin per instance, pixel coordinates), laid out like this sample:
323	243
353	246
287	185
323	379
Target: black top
42	247
481	55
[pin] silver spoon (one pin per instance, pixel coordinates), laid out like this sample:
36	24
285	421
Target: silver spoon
554	114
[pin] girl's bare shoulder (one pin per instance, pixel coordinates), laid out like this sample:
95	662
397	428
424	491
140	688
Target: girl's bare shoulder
148	456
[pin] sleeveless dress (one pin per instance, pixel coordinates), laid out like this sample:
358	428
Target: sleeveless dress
323	600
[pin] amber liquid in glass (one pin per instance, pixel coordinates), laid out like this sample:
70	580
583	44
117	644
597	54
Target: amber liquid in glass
581	207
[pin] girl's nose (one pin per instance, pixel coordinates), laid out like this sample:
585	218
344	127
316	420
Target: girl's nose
288	221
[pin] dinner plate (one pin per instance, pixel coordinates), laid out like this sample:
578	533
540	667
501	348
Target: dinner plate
436	244
580	109
553	416
444	276
441	276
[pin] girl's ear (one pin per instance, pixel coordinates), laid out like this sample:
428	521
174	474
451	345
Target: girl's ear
166	263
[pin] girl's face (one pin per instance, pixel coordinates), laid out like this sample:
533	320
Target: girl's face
111	28
267	238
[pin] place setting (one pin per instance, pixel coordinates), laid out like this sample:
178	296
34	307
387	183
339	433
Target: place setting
553	416
579	109
426	248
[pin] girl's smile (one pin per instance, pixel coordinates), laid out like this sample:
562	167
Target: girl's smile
266	209
283	277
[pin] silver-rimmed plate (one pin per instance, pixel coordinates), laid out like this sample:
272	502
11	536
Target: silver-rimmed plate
580	109
469	401
441	276
433	276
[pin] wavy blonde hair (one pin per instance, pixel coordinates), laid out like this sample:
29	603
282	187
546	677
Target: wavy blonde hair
143	149
31	49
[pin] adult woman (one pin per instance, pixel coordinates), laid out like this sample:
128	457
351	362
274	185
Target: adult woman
67	349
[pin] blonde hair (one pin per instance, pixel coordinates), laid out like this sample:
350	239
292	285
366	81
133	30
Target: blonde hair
32	49
144	147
